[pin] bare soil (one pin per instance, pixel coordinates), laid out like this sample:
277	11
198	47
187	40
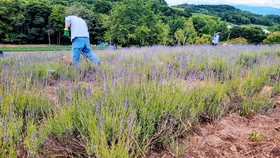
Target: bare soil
232	137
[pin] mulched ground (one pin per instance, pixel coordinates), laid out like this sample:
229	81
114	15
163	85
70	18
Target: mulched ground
230	137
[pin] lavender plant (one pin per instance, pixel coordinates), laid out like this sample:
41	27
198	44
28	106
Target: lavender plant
140	99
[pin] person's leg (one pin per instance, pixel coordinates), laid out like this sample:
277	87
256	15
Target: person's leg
77	46
88	53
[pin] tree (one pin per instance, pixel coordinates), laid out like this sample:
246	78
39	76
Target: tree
272	38
204	39
11	17
239	40
254	35
274	28
176	24
165	33
56	21
36	21
179	36
274	18
102	6
190	32
198	24
134	23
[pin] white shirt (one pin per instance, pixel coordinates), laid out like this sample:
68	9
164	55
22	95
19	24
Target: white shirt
78	26
216	38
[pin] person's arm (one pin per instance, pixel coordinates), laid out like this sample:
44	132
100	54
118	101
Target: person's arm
67	25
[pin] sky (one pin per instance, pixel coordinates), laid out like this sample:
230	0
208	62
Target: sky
271	3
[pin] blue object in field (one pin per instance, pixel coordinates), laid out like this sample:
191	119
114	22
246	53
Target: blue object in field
112	47
2	54
103	44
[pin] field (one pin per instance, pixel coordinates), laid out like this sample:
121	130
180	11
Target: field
253	25
36	48
139	102
197	14
204	16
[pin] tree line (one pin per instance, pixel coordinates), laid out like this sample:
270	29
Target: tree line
122	22
233	15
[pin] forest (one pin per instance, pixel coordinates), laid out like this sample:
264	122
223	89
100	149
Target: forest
232	14
130	22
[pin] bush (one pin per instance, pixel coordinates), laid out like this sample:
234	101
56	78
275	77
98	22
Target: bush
248	60
238	40
272	38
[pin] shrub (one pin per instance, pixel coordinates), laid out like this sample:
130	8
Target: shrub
272	38
238	40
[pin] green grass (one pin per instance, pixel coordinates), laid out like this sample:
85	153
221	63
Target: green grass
177	8
203	15
196	14
254	25
34	48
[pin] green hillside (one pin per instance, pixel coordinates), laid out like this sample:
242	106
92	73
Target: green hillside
231	14
127	23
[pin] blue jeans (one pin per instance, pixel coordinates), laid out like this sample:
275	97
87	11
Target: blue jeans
82	45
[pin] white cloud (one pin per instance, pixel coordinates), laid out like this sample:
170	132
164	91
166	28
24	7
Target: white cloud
272	3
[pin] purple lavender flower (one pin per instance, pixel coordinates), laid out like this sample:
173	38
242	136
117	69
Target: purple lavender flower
88	91
101	122
35	134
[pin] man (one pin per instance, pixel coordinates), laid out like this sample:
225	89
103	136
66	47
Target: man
80	39
216	37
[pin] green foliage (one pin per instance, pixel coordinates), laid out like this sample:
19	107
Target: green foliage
254	35
204	39
11	15
134	23
274	28
167	12
36	18
198	24
56	20
32	140
176	24
10	133
34	48
256	104
248	60
219	68
140	99
276	89
274	18
273	38
255	137
230	14
179	36
103	7
191	33
238	40
125	22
